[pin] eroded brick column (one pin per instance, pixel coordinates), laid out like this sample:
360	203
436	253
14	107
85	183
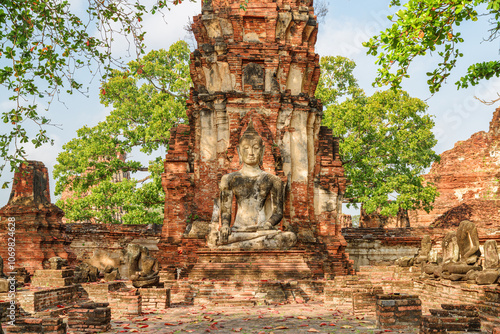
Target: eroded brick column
38	229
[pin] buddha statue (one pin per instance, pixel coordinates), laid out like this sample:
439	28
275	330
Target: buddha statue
469	253
259	197
142	269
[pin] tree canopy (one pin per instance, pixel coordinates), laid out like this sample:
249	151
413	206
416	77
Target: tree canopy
386	142
423	26
43	44
148	98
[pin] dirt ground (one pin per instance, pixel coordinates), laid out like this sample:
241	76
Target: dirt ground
265	319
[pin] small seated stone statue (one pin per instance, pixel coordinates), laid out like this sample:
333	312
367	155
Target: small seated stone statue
451	254
425	248
468	246
491	265
259	196
143	269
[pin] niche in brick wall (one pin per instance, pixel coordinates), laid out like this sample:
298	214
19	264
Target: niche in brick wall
253	76
254	29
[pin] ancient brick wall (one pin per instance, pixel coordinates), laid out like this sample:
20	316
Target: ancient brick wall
256	65
104	244
376	246
35	300
468	181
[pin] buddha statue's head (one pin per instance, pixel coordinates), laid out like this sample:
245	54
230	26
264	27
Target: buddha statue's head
251	147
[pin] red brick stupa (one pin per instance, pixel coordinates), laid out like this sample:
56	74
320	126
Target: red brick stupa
39	232
255	65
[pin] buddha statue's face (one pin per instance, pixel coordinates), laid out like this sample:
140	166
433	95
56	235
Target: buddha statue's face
251	150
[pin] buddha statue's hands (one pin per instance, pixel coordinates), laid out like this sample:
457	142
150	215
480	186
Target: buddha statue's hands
224	234
267	226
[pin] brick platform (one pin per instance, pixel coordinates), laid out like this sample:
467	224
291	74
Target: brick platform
251	265
99	292
398	311
89	318
125	302
360	294
37	326
190	292
52	278
155	298
458	318
35	300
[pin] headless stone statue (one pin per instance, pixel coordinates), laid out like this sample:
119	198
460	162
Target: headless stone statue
468	246
423	252
259	196
491	265
451	254
491	259
142	269
451	251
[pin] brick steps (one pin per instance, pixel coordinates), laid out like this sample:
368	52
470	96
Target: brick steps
453	317
250	265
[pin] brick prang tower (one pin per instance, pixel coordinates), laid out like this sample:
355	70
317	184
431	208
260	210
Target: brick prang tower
256	64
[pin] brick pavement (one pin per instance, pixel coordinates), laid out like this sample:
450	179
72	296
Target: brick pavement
263	319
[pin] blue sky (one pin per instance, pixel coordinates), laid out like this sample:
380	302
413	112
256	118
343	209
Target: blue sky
348	23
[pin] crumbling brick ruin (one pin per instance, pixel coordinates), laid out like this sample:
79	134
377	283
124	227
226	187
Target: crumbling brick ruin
256	65
468	181
39	232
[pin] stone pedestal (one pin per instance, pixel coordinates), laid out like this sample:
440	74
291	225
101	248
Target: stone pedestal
125	302
398	311
52	278
99	293
251	265
155	298
358	292
90	318
37	326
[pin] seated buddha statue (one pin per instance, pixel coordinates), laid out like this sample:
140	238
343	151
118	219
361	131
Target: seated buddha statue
259	197
468	246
